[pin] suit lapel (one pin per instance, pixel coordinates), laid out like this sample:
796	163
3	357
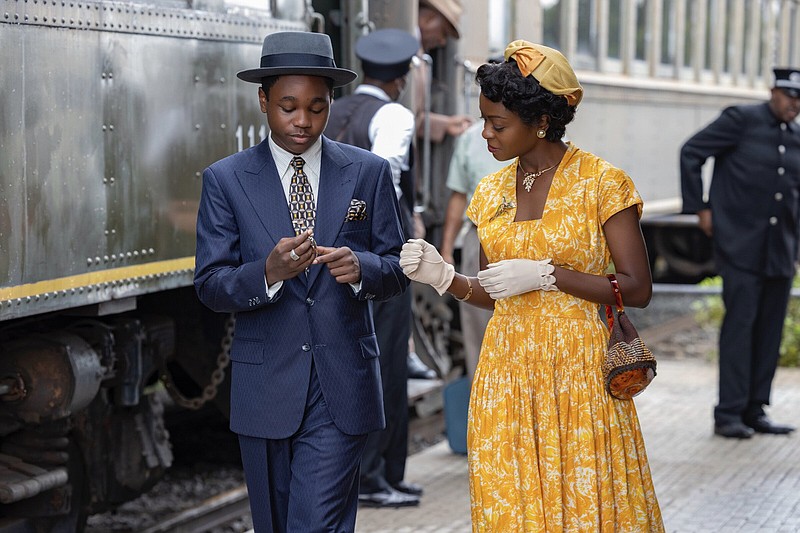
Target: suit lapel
336	186
262	187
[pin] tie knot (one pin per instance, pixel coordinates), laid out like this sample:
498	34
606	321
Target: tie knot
297	163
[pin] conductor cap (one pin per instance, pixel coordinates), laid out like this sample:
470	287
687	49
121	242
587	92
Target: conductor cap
386	54
788	79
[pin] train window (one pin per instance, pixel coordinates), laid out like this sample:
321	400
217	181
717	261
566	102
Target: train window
281	9
264	5
500	24
551	15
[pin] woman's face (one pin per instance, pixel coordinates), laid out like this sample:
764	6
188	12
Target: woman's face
506	135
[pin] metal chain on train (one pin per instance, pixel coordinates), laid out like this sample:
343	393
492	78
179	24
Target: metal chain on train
217	376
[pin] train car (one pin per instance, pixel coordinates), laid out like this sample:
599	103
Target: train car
111	110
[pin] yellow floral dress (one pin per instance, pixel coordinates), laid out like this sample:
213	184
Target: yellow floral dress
549	449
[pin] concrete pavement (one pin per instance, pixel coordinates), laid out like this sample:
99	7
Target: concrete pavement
705	484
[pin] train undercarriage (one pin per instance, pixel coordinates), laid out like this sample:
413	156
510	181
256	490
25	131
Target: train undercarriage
83	398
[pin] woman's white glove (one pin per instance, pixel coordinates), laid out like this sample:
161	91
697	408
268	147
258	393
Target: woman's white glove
421	262
510	277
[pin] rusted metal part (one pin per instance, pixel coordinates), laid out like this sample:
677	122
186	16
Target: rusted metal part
12	388
52	376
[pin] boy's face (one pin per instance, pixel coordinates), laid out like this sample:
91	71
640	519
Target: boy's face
297	110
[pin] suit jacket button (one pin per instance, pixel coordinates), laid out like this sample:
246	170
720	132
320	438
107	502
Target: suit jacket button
310	301
306	347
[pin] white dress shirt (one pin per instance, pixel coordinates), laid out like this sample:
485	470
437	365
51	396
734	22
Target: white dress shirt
390	132
283	163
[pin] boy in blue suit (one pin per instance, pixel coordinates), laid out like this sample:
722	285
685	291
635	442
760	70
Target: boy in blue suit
296	236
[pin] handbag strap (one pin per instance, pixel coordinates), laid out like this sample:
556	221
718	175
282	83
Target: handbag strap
617	296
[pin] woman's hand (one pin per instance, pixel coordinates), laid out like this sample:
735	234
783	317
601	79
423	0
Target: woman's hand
421	262
511	277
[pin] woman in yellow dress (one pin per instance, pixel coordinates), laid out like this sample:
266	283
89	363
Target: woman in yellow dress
549	449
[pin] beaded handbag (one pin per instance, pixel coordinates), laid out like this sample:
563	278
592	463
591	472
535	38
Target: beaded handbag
629	366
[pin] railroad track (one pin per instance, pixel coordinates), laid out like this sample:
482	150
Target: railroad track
214	512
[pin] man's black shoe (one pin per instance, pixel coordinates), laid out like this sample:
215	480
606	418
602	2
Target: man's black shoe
763	424
733	430
388	498
408	488
417	369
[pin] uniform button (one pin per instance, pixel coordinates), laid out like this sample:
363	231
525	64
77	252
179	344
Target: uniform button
773	221
310	301
783	126
778	196
781	171
781	149
306	347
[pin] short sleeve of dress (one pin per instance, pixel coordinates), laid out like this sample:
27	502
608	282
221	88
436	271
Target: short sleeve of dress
487	194
473	207
616	192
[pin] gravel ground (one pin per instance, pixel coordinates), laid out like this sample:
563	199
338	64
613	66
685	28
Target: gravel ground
206	464
207	454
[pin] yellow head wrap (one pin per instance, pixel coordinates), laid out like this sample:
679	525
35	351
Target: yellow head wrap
550	68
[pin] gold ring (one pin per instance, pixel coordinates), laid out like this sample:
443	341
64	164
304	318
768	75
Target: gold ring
294	255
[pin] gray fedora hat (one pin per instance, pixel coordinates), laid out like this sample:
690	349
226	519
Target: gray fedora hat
298	52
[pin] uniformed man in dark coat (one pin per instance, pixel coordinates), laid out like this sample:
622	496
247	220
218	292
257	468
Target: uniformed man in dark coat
371	118
752	214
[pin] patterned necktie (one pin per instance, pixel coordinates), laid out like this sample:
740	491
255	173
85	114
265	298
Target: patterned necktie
301	199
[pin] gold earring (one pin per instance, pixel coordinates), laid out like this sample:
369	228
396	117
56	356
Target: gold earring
541	133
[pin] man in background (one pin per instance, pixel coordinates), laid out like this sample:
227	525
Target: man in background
438	21
752	215
471	161
372	119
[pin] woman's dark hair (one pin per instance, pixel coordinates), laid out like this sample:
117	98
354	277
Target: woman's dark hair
503	83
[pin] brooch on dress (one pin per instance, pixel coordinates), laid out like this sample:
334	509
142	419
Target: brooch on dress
505	205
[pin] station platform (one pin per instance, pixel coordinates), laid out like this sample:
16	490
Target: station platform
704	484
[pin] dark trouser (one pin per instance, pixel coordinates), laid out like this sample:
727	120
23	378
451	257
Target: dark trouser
384	459
308	482
749	342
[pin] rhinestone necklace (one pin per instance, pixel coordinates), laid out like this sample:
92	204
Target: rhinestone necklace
529	178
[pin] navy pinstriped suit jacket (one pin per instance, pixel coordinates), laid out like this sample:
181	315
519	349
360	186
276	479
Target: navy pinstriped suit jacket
243	214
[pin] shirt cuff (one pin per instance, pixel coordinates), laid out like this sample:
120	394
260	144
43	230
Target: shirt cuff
273	289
